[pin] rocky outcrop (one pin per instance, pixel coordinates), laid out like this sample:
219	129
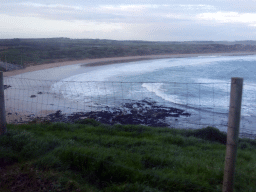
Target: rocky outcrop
142	112
9	67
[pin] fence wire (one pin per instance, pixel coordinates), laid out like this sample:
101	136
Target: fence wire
172	104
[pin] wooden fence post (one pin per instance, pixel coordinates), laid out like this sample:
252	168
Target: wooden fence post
2	106
232	133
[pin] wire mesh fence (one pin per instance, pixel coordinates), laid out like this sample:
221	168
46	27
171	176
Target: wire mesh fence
171	104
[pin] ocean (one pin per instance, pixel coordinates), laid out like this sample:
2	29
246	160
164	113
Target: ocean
198	85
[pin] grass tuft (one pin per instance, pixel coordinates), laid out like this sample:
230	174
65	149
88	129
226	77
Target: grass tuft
88	121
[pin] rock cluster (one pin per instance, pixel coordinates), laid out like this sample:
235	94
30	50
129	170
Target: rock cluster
135	112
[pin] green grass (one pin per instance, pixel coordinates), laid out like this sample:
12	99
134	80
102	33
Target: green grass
89	156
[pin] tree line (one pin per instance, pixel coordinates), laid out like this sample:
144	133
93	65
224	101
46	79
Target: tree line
38	51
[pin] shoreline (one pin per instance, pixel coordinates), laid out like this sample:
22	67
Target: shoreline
53	101
114	60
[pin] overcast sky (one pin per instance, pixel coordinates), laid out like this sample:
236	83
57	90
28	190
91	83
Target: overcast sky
153	20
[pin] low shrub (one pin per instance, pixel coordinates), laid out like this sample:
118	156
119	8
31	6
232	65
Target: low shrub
210	134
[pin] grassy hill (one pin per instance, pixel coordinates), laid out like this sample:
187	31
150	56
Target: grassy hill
89	156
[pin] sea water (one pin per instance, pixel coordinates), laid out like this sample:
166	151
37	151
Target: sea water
200	85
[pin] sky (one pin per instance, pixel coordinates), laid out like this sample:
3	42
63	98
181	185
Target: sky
149	20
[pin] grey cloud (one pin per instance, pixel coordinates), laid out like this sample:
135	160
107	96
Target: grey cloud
55	11
146	19
118	13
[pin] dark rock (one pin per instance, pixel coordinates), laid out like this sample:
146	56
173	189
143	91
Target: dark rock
32	96
135	112
186	114
7	86
129	113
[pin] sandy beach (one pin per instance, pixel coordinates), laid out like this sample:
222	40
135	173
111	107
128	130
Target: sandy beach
105	61
30	94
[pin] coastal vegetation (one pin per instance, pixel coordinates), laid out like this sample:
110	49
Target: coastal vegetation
38	51
90	156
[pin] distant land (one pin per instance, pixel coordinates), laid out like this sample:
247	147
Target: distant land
26	52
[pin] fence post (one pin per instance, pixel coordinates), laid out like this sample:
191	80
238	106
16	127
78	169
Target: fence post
232	133
2	106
